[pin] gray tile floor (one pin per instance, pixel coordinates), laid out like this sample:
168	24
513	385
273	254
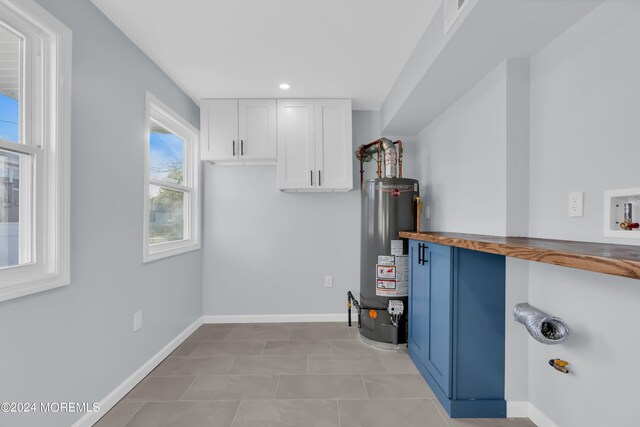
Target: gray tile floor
284	375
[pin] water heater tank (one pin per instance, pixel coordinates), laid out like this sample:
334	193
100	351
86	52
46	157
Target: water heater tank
387	208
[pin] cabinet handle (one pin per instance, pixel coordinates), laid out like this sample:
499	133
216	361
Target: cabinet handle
424	258
311	175
420	246
234	148
242	147
319	180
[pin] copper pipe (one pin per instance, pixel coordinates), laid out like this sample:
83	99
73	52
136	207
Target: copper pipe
361	154
379	163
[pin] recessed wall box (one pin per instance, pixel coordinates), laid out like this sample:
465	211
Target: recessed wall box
616	202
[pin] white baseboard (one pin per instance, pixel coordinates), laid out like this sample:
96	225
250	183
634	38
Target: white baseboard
528	410
539	418
277	318
90	418
517	409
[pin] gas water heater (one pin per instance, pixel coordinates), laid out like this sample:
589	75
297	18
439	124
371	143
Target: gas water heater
388	206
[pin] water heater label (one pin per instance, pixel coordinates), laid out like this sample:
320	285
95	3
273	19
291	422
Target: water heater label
386	271
386	260
392	288
386	285
397	247
401	261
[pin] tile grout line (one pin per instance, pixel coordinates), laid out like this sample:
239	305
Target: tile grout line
231	365
277	385
338	408
236	414
437	405
383	365
260	399
187	389
131	417
365	386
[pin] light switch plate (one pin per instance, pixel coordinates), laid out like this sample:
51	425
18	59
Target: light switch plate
576	204
328	281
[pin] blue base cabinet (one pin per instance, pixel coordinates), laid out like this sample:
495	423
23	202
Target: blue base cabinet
456	327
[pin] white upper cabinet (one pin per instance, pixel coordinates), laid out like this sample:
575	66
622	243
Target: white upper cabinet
238	131
219	123
257	130
314	145
334	148
296	159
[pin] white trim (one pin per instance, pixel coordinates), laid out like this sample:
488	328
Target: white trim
19	148
539	418
520	409
127	385
517	409
49	235
175	123
276	318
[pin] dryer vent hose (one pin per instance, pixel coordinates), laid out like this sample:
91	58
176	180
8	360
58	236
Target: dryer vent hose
544	328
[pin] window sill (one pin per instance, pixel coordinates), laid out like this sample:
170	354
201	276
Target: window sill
33	287
161	251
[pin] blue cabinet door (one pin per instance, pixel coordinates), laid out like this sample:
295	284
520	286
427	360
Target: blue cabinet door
418	302
456	327
440	336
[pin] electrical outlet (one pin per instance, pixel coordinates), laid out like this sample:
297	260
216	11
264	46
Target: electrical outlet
576	204
328	281
427	212
137	321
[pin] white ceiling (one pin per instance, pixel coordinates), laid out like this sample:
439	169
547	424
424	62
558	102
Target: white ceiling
246	48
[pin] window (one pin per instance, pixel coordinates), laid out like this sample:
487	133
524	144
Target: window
35	79
172	174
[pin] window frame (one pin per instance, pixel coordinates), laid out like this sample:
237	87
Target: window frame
44	124
157	111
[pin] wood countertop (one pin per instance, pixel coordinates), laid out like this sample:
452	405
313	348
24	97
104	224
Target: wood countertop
617	260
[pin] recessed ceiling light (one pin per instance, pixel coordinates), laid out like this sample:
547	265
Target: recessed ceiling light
284	86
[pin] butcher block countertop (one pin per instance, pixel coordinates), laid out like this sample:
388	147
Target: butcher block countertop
617	260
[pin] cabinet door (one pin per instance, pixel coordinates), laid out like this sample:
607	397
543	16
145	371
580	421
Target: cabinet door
334	147
222	142
257	129
418	302
440	260
296	145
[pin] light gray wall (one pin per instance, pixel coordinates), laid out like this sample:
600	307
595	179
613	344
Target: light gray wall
585	106
462	157
266	252
473	168
76	343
